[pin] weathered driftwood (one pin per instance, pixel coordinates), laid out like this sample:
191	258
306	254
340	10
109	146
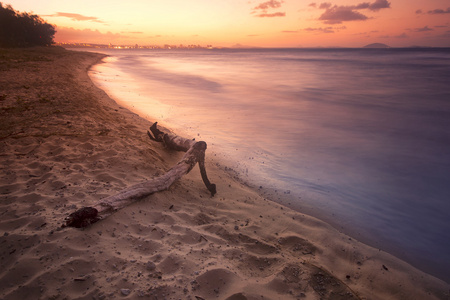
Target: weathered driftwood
195	153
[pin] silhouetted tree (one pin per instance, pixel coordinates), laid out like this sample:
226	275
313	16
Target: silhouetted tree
23	29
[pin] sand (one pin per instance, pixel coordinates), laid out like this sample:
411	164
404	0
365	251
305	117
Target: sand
65	144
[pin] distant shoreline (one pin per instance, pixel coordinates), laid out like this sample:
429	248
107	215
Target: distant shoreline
198	47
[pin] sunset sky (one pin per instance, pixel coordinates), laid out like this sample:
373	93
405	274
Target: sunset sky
262	23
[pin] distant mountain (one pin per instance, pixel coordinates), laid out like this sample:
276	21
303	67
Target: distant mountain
377	45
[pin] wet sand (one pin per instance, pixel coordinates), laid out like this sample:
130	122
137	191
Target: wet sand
65	144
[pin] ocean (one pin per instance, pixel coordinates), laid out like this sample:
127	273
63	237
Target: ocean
357	137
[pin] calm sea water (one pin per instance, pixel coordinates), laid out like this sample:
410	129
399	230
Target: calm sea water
358	137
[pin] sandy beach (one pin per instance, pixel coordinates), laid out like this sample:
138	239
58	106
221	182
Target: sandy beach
64	144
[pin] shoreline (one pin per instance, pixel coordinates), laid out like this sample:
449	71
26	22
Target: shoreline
65	144
332	200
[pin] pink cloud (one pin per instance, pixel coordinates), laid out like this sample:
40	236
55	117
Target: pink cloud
338	14
328	29
320	30
439	11
379	4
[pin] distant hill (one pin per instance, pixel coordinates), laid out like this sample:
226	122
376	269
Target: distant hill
377	45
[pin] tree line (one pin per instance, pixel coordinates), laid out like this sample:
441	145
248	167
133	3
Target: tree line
23	29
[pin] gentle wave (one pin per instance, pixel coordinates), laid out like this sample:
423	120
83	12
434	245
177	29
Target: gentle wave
359	138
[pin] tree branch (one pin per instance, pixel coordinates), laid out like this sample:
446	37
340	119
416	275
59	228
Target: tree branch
195	153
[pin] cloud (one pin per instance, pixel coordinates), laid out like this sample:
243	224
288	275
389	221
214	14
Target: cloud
320	30
277	14
289	31
367	33
269	4
423	29
69	34
439	11
262	10
76	17
325	5
337	14
328	29
400	36
379	4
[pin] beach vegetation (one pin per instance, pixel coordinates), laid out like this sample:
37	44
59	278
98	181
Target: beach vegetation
23	29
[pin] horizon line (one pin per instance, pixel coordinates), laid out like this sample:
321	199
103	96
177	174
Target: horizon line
237	46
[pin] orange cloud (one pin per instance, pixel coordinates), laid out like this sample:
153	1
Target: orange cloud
76	17
265	6
69	34
277	14
269	4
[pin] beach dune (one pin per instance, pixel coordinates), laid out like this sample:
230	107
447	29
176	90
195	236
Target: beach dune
64	144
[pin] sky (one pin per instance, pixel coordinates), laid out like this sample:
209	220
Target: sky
256	23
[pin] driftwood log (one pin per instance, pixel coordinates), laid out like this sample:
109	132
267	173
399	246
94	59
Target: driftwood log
195	153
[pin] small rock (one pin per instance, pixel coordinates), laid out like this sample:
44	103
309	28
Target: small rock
150	266
125	292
